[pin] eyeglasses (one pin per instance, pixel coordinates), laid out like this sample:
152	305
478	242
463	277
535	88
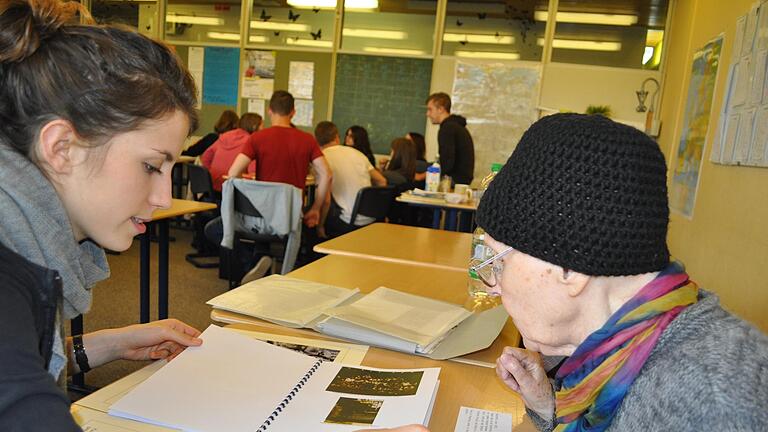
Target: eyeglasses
489	271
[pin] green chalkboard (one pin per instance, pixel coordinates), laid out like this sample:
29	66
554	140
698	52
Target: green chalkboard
385	95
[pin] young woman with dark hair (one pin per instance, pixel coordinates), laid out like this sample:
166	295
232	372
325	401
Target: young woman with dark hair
357	137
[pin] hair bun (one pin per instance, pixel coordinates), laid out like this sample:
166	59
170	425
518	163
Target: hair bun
25	23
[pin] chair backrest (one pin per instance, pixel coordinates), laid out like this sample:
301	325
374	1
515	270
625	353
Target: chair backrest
244	205
200	183
373	202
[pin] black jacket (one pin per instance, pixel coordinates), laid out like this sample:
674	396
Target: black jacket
30	399
457	151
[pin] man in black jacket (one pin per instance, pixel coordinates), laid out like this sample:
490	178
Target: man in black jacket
455	146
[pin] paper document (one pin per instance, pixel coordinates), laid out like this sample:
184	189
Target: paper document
477	420
286	301
412	318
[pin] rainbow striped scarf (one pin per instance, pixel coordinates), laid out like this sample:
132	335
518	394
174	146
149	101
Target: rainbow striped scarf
595	379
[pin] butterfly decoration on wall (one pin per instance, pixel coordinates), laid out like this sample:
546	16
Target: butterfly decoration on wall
277	33
292	16
264	16
315	10
482	15
464	42
459	22
318	35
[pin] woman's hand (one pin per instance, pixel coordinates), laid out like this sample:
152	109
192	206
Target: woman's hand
156	340
409	428
153	341
522	371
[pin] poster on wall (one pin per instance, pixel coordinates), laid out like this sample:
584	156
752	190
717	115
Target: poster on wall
259	75
499	102
304	112
220	77
256	106
301	79
195	64
690	151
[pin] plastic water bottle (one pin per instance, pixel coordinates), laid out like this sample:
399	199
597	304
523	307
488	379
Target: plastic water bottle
433	177
480	252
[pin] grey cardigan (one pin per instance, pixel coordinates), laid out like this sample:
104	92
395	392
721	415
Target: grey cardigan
709	371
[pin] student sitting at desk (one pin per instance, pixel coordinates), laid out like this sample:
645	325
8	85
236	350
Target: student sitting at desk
577	220
219	157
226	122
400	171
83	164
351	172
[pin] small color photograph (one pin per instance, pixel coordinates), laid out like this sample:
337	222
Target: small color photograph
321	353
354	411
375	383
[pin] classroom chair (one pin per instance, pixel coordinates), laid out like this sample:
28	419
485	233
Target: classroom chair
201	187
374	202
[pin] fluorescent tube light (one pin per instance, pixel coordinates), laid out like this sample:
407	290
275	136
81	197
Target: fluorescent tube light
189	19
257	39
224	36
402	51
588	18
478	38
587	45
331	4
309	42
374	34
266	25
487	55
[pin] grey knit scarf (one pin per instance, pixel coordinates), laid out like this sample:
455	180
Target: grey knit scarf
36	226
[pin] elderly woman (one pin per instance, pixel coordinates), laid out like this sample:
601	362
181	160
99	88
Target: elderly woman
577	219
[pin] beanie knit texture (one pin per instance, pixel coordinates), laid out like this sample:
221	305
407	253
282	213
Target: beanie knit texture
584	193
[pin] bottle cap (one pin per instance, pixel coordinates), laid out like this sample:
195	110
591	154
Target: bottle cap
496	167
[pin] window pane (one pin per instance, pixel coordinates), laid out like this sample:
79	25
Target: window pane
292	24
394	27
494	29
138	15
204	21
619	33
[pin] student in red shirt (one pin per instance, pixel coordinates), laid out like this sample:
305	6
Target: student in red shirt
219	157
284	153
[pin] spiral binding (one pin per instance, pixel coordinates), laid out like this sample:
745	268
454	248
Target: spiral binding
281	406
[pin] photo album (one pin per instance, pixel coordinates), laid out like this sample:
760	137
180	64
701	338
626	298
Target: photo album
236	383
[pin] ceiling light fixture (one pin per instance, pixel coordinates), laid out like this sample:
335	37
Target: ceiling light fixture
331	4
402	51
588	18
266	25
189	19
479	38
487	55
588	45
375	34
309	42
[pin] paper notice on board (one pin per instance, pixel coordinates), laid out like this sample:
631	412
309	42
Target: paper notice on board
738	38
304	112
744	137
729	138
749	32
301	79
195	62
258	88
477	420
256	106
760	138
741	82
758	79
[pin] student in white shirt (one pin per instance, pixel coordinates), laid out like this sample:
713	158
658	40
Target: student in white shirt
351	172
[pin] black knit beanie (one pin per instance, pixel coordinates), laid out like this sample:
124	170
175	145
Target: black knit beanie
585	193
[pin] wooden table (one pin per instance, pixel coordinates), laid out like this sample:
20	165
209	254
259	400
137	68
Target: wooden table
460	385
438	205
403	244
160	218
367	275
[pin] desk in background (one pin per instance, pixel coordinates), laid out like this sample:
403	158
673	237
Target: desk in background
438	206
160	218
404	244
